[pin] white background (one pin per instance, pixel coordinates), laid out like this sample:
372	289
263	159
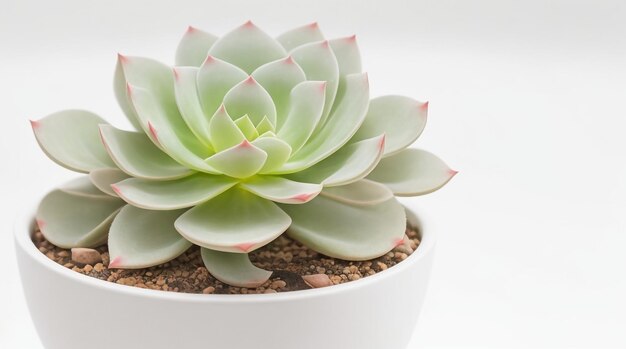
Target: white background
527	101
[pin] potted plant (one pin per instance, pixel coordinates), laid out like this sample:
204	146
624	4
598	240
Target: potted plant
258	165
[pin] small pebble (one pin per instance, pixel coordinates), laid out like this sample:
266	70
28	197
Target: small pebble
317	280
84	256
278	284
208	290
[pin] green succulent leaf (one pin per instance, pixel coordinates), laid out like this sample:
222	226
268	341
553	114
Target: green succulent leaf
278	151
340	127
215	79
347	165
149	74
247	47
352	232
279	189
400	118
223	131
278	78
265	126
82	186
234	268
362	192
250	98
307	105
349	60
141	238
300	36
104	177
176	140
70	138
236	221
318	62
186	91
70	219
241	161
194	47
247	127
171	195
412	172
135	154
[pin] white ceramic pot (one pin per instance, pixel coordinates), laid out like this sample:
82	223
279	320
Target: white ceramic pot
71	310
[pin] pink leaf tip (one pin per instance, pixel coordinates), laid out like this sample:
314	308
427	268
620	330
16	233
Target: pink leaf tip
129	89
209	59
245	144
250	80
303	197
153	131
313	26
381	143
191	29
289	60
245	247
325	44
398	242
40	223
452	173
248	24
123	59
424	106
116	262
176	75
351	38
34	124
116	189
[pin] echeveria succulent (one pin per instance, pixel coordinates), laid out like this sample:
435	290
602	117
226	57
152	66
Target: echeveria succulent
247	137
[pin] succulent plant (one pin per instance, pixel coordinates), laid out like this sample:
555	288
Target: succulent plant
245	138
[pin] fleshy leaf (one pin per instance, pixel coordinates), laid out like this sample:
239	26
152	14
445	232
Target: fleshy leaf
347	165
348	55
215	79
401	119
247	127
351	232
279	189
307	105
148	74
250	98
70	220
278	78
265	126
247	47
70	138
194	47
141	238
135	154
349	60
278	151
103	178
241	161
171	195
300	36
82	186
412	172
223	131
234	268
363	192
175	139
319	63
236	221
189	103
340	127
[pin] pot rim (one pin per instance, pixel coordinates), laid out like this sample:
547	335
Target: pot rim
25	224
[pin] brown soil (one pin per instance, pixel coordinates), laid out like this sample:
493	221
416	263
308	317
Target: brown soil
289	260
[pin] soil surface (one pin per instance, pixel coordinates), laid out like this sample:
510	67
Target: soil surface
289	260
